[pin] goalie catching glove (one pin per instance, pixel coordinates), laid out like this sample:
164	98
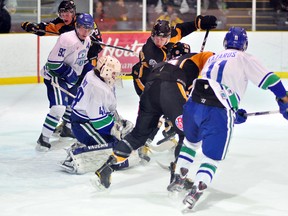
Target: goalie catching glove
121	128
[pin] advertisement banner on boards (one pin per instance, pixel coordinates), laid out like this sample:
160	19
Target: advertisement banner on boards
129	40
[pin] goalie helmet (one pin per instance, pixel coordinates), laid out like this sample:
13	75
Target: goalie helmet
109	69
179	49
236	38
161	28
85	20
67	6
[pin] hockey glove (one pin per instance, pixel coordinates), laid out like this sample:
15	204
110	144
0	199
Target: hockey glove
283	108
29	27
121	128
206	22
241	116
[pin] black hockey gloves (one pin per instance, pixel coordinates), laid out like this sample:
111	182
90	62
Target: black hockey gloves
29	27
206	22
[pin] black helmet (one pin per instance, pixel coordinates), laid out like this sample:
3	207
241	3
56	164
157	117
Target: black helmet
65	6
161	28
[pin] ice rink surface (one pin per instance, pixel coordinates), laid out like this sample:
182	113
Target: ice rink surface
252	181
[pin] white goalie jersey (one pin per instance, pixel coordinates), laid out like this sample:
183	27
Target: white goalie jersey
95	99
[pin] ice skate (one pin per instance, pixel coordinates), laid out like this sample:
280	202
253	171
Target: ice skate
68	165
178	181
143	152
103	174
67	132
193	196
59	129
43	144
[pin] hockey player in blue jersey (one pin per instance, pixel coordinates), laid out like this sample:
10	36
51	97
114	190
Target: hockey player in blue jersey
212	109
67	61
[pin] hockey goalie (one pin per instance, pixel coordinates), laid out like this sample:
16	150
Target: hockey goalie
95	121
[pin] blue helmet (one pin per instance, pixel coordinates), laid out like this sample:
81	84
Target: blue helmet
85	20
236	38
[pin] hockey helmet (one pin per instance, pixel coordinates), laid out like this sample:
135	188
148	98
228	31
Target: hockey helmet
236	38
161	28
85	20
66	6
109	68
179	49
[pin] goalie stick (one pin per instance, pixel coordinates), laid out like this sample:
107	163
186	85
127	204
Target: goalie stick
56	85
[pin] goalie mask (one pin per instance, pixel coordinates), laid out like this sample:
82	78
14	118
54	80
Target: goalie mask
109	69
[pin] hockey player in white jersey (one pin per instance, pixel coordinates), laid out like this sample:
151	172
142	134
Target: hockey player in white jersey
95	121
67	62
212	109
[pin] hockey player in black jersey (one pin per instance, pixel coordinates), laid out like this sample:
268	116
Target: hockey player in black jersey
157	47
164	94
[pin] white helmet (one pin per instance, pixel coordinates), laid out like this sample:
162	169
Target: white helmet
109	68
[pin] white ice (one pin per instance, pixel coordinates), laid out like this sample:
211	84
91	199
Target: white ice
252	181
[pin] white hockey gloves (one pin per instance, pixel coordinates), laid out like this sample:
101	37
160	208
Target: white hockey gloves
121	128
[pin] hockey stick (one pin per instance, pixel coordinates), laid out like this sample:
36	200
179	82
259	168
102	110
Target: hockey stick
62	89
115	47
56	85
95	42
204	40
262	113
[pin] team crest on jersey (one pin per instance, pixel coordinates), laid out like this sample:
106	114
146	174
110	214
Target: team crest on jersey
81	58
179	122
152	62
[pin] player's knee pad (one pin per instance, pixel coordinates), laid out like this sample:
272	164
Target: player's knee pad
123	148
57	111
192	145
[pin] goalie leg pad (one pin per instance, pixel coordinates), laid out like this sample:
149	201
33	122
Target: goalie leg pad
85	159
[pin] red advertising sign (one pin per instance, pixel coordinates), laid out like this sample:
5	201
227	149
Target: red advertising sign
127	40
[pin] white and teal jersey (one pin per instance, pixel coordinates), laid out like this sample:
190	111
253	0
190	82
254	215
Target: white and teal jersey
68	51
95	102
232	69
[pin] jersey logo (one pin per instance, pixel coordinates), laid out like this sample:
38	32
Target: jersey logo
152	62
179	122
81	59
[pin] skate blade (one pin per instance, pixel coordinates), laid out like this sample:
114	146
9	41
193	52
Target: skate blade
40	148
96	183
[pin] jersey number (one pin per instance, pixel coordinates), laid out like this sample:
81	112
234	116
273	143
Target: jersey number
220	70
